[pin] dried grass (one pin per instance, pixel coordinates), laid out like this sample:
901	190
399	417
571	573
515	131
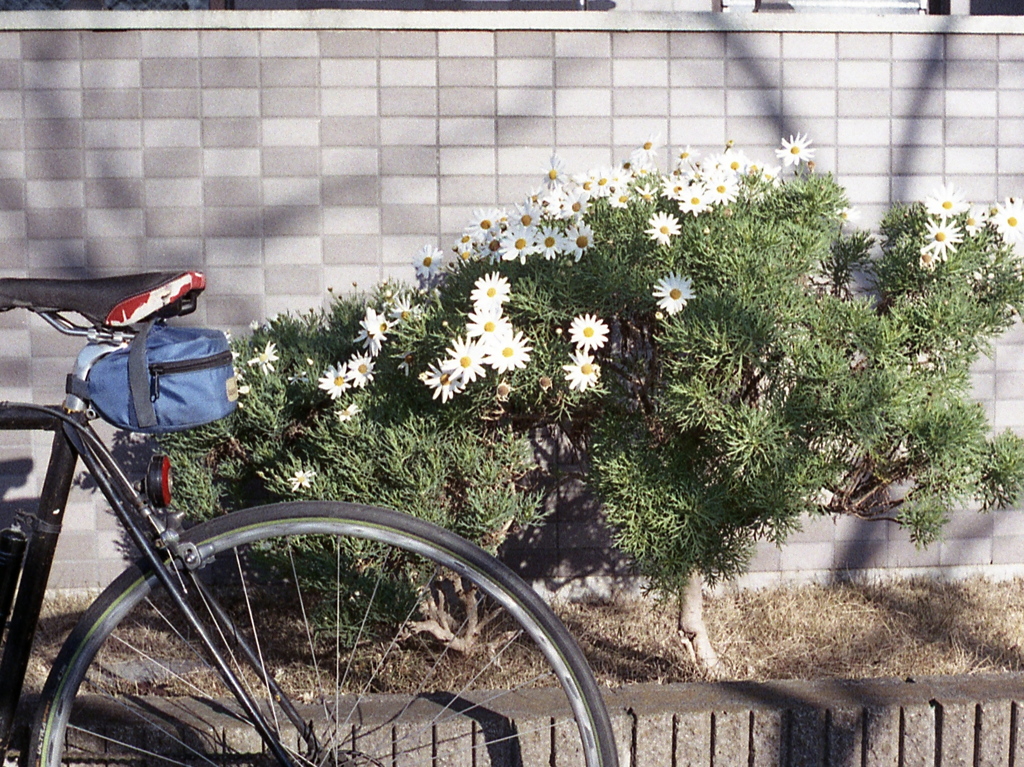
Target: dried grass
895	628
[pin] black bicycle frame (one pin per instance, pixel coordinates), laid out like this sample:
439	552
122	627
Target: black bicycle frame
73	439
43	530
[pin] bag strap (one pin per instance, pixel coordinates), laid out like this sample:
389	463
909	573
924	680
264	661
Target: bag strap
138	378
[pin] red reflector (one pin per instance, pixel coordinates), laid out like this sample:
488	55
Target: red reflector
158	481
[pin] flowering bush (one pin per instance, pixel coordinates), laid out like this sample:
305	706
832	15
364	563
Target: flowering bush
727	350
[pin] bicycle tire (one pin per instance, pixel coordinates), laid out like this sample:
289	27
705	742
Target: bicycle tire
100	707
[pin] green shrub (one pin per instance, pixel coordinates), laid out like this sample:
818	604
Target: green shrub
750	359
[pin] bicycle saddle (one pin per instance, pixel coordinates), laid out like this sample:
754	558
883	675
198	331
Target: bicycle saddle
111	301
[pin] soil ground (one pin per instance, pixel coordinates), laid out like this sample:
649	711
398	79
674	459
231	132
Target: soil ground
896	628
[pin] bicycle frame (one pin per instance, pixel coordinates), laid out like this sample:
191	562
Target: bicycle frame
74	438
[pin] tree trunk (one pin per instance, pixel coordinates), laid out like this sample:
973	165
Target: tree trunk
692	629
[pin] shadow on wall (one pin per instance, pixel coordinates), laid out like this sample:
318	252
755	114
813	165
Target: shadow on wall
13	475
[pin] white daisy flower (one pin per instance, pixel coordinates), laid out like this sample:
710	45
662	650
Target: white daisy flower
1009	220
527	214
946	202
373	331
977	217
673	292
695	199
583	372
359	372
943	237
644	159
686	160
487	324
428	262
579	237
663	227
406	364
486	224
601	182
510	352
575	203
518	242
771	174
302	479
733	161
491	290
721	188
619	198
549	242
348	413
402	309
266	358
849	216
465	249
465	360
795	151
674	187
445	384
588	333
333	381
555	173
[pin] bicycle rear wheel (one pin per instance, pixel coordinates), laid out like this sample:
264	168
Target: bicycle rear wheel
366	637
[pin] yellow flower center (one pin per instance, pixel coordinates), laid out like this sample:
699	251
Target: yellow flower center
428	261
507	352
489	326
720	189
466	362
648	146
520	243
947	205
582	241
527	219
384	325
1012	221
940	236
549	242
675	294
577	206
485	224
794	150
445	379
492	292
552	174
362	369
339	380
664	229
588	184
734	165
695	201
586	368
588	332
602	182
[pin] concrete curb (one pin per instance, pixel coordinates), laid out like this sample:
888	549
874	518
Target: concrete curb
935	722
966	721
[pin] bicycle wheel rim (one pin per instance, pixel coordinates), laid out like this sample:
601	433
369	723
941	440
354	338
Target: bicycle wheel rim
593	738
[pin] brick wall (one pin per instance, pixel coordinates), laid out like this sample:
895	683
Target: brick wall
285	153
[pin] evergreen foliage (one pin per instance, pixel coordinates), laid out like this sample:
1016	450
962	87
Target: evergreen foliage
762	361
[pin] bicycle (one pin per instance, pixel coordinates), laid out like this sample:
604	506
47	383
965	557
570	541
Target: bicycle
180	660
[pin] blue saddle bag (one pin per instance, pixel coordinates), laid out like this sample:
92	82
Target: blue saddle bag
168	379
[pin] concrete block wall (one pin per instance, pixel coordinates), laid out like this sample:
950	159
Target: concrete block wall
289	152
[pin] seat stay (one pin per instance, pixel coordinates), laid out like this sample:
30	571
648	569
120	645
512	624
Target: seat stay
113	302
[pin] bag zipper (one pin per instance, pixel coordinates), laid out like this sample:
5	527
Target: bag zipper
157	369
